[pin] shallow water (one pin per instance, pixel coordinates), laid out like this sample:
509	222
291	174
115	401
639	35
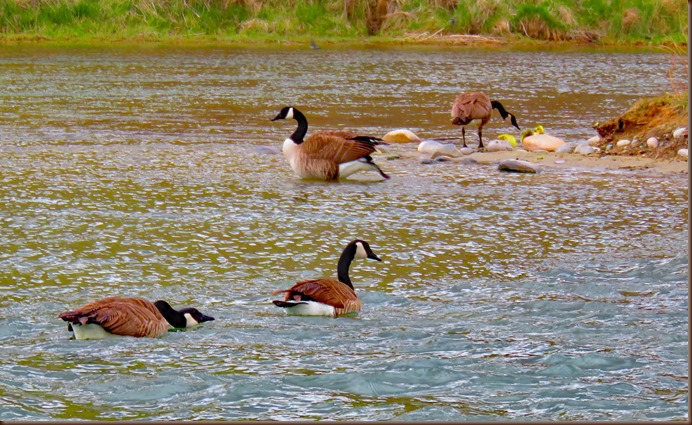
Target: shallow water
135	171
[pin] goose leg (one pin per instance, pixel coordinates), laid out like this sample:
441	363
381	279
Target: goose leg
463	135
480	139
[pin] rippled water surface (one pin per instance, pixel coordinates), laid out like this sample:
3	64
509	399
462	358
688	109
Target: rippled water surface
137	171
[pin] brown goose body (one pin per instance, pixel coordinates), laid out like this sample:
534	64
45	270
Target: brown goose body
123	316
471	106
327	155
328	297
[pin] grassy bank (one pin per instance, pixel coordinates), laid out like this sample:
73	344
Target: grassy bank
649	22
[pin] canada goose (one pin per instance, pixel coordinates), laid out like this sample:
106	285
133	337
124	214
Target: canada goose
327	297
327	155
128	317
469	106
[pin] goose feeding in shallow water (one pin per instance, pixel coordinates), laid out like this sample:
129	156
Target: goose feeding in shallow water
120	316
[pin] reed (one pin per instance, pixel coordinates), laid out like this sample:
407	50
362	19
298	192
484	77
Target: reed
610	21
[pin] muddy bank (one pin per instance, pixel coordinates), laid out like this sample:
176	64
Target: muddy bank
655	117
546	160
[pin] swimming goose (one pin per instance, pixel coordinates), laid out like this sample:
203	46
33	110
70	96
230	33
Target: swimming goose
327	155
470	106
128	317
327	297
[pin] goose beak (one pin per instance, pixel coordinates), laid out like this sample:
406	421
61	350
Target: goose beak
278	117
372	256
206	318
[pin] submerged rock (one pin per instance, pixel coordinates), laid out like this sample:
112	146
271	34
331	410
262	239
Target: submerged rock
517	166
267	150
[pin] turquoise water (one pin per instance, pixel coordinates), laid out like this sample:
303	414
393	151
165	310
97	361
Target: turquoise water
135	172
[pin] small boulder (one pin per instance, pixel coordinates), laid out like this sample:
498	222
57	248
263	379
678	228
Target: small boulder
682	152
401	136
594	141
680	133
436	149
652	142
542	142
623	142
517	166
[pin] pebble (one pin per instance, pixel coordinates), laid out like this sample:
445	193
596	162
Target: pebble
652	142
517	166
498	146
680	133
584	149
594	140
566	148
623	142
682	152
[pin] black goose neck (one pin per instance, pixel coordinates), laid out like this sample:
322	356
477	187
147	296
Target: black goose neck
344	263
173	317
302	129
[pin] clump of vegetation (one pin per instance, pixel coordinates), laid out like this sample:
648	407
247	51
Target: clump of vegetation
624	21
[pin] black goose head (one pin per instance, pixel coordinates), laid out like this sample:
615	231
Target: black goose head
363	250
286	113
183	318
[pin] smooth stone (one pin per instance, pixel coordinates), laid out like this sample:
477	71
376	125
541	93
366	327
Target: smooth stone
652	142
680	133
401	136
623	142
566	148
682	152
584	149
594	140
517	166
542	142
498	146
436	149
467	150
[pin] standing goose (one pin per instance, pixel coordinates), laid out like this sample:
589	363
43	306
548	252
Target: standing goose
327	297
469	106
327	155
129	317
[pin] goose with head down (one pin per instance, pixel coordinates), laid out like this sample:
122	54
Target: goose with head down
470	106
327	297
327	155
121	316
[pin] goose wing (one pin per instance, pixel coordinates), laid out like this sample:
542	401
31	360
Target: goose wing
325	291
471	106
120	316
339	146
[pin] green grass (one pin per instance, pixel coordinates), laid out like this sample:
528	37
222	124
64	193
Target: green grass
603	21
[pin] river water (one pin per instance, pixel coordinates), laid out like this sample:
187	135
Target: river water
137	171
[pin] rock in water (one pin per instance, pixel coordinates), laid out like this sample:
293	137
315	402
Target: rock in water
517	166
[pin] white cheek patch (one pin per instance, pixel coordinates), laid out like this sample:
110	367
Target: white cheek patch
289	115
360	251
189	321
